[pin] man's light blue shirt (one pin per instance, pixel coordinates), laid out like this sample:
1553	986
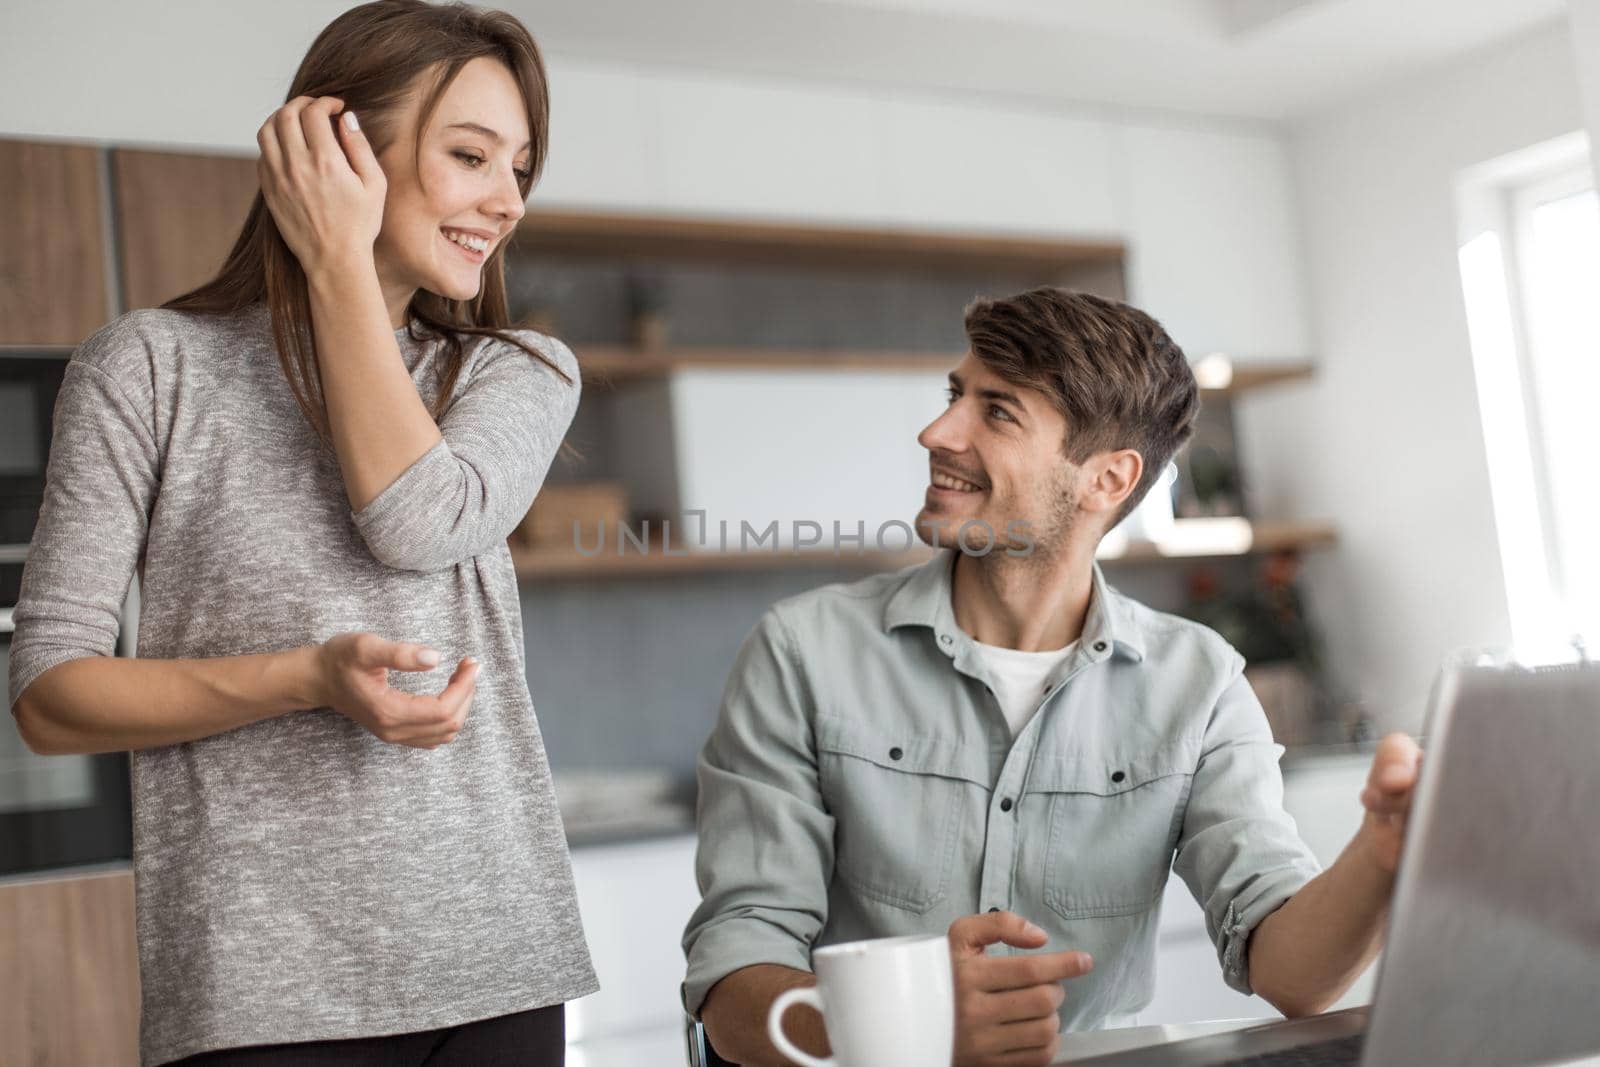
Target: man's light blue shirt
862	782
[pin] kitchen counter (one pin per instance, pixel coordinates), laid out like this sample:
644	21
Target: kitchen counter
649	822
664	1046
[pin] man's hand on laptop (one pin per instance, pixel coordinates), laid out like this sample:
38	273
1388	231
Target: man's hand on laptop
1006	1005
1387	797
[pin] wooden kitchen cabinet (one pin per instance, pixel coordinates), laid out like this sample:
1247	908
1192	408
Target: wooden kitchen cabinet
69	990
178	214
53	287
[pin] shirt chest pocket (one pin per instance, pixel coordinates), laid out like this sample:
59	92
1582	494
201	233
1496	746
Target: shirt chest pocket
1112	828
897	805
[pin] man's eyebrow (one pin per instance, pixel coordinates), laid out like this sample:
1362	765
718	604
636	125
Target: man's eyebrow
1000	394
988	394
484	130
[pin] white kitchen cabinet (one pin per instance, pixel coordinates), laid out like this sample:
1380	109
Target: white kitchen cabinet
605	144
1213	240
1189	985
655	1046
1323	796
635	899
729	146
963	166
765	150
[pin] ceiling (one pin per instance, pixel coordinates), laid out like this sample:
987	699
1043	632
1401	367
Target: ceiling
1256	59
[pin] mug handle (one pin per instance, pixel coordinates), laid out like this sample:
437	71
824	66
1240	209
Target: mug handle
786	1000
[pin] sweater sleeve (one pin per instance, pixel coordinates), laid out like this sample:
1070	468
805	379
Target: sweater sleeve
100	484
467	493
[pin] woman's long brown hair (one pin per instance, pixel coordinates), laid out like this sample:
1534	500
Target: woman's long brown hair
372	58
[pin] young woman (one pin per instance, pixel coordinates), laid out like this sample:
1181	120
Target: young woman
313	462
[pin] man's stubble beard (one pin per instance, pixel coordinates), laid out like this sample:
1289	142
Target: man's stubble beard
1039	550
1050	541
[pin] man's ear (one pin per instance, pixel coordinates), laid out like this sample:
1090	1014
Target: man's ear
1109	478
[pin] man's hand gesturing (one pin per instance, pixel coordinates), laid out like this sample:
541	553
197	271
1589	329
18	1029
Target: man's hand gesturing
1006	1005
1387	797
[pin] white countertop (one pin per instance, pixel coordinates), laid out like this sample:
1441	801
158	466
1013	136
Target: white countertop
664	1047
1104	1042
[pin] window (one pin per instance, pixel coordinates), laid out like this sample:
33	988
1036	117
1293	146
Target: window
1530	269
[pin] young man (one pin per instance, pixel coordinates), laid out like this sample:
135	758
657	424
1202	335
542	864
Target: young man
1000	745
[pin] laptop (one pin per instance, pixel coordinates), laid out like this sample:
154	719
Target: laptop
1492	953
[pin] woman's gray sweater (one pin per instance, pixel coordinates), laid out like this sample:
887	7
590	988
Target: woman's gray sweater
298	879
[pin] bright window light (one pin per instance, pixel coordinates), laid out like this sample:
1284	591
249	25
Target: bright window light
1505	434
1530	274
1561	259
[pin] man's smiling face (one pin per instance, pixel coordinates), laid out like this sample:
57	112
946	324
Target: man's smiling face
995	458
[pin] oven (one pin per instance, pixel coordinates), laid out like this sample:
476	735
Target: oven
55	811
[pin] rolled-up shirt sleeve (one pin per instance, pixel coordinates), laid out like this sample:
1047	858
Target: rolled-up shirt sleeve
766	839
467	493
1238	851
101	481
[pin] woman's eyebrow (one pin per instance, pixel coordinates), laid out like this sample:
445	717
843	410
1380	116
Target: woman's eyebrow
484	130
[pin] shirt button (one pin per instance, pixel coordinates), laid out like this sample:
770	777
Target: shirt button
1117	776
994	909
1005	805
895	753
1099	646
945	639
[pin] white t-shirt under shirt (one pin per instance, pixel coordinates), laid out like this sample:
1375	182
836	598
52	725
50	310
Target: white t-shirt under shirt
1019	678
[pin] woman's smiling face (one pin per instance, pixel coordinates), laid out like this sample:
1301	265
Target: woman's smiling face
443	218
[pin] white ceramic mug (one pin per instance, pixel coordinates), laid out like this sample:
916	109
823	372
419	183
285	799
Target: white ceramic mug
889	1002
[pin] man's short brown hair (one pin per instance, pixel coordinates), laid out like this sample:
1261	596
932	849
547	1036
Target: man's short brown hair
1109	368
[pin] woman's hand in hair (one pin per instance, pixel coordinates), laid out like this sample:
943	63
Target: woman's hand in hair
354	680
325	189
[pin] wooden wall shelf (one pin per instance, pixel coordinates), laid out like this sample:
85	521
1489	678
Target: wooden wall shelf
1247	377
724	240
567	563
555	565
612	365
1265	537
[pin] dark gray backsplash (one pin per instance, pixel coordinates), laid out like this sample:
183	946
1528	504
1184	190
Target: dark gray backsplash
628	675
754	305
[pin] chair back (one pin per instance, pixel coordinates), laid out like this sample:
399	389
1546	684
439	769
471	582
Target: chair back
700	1052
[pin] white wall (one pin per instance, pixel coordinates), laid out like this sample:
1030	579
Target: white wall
1386	441
183	73
1585	23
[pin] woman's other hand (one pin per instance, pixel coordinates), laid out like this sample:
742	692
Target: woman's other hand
325	190
354	681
